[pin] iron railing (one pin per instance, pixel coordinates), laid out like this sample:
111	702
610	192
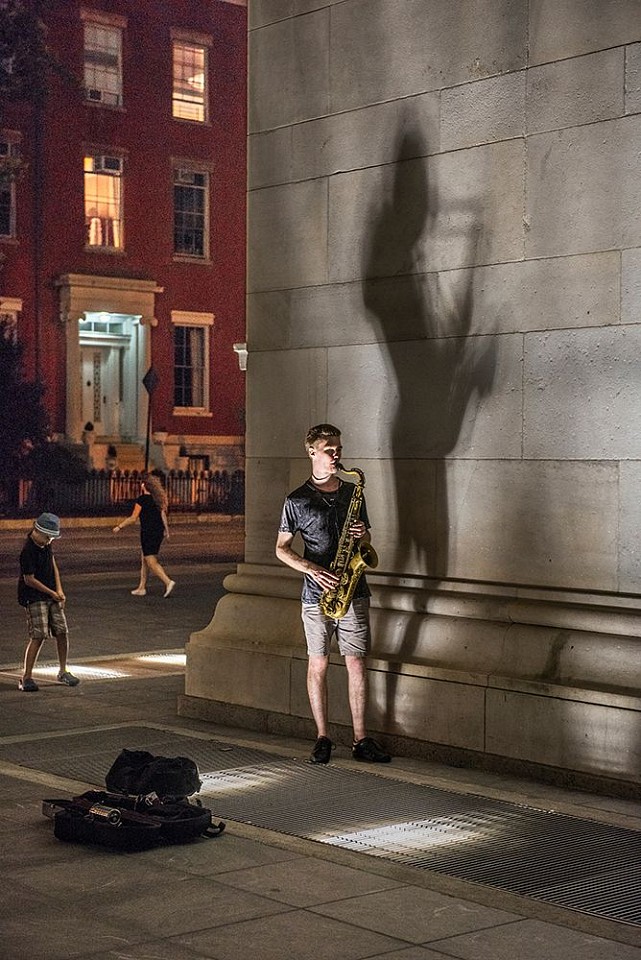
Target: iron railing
110	492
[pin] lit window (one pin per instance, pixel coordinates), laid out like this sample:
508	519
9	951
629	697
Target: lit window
9	165
103	64
191	203
189	92
191	361
103	201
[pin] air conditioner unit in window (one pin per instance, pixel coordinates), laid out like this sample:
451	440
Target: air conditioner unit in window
94	94
185	176
110	164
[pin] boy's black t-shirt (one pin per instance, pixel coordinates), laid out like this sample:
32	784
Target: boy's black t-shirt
37	561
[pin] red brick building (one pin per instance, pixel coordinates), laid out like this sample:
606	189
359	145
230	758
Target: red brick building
123	239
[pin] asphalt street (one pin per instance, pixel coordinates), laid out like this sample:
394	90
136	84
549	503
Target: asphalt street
98	572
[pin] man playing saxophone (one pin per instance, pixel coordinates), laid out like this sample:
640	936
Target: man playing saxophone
331	517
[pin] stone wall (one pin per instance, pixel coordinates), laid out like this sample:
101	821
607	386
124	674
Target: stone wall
445	260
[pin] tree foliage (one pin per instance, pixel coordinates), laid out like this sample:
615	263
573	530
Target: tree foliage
24	58
23	421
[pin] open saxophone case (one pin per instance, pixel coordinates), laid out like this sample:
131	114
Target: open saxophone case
146	803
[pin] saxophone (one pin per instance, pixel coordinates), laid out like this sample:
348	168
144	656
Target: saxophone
351	556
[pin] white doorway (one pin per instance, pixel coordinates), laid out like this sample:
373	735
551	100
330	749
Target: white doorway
110	356
101	388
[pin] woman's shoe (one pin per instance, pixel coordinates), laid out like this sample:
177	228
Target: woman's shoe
170	587
139	592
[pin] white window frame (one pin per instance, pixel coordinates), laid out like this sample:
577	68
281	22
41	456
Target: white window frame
104	234
181	173
196	109
10	158
202	321
98	88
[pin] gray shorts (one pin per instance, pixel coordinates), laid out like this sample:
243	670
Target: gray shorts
45	618
352	631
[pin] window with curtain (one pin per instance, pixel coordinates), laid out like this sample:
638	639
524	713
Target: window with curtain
9	165
103	201
189	90
191	204
190	365
103	63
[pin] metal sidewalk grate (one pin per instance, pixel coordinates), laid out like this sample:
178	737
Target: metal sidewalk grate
577	864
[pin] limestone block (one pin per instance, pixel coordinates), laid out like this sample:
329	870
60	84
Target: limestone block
584	189
530	522
412	46
453	210
562	292
572	92
430	710
269	158
401	501
382	133
631	286
633	78
405	705
287	236
431	398
250	678
287	393
630	526
539	294
560	29
579	388
267	483
562	733
262	12
484	111
289	71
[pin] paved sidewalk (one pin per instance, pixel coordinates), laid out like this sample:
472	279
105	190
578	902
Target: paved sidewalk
251	893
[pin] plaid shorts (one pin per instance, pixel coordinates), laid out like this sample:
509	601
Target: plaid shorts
46	618
352	631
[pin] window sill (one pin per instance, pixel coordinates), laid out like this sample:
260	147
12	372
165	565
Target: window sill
191	412
186	258
11	241
110	251
191	123
99	105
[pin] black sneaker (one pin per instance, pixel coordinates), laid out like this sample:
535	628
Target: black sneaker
322	751
367	749
28	686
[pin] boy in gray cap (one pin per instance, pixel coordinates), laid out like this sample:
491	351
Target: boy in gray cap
40	593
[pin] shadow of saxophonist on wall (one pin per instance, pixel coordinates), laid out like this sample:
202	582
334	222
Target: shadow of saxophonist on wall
437	372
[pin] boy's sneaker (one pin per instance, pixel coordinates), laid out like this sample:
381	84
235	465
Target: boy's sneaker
68	679
367	749
28	686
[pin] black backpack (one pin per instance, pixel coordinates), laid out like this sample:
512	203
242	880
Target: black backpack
138	773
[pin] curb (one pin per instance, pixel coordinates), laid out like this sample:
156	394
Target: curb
80	522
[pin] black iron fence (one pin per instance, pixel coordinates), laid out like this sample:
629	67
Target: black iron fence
112	492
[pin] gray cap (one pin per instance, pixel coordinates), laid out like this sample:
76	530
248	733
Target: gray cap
49	524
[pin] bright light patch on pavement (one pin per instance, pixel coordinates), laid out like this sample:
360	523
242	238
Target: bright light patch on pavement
170	659
405	838
84	672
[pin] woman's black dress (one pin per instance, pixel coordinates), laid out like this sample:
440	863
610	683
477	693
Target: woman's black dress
152	528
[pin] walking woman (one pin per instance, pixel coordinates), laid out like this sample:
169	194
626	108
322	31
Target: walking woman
151	508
